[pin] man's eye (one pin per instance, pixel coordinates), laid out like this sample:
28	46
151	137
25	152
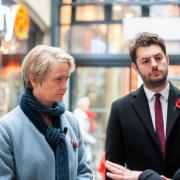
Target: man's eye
158	58
145	61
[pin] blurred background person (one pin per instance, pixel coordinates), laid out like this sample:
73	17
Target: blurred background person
83	106
92	124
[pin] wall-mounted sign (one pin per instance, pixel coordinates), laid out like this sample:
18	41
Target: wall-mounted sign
14	18
22	22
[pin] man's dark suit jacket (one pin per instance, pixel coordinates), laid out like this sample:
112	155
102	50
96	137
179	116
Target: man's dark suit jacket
131	139
152	175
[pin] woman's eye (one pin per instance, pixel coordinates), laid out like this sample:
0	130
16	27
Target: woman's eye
59	79
62	78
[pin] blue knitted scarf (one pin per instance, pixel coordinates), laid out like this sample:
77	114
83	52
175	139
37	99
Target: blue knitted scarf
54	135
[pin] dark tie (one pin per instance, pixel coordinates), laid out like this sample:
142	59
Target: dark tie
159	123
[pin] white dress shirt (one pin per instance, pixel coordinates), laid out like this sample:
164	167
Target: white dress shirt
164	104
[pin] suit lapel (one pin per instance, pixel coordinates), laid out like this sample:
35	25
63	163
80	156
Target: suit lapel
173	112
140	105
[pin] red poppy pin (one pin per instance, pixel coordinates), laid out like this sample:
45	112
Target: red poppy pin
177	104
74	144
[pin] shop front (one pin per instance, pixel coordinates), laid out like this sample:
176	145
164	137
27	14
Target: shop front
17	36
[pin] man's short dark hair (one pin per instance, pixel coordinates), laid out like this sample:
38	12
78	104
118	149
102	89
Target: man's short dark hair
143	40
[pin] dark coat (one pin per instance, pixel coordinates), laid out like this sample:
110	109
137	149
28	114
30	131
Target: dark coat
131	139
26	155
152	175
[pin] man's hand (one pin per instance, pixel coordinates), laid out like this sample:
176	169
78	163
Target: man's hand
165	178
118	172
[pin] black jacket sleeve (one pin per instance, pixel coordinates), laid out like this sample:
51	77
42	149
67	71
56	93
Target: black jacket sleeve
149	175
177	175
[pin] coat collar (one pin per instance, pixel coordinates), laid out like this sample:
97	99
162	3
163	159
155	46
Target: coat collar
140	104
173	113
71	131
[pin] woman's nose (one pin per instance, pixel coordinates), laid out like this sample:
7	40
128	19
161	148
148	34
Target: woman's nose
65	85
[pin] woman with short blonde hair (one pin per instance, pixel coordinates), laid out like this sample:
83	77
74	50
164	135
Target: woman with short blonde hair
40	139
38	62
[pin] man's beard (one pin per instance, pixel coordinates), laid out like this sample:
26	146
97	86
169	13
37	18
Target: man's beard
155	83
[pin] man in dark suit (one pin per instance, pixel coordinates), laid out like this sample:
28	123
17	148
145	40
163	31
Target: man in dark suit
141	134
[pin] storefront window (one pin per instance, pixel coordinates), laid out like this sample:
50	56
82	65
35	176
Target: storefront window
65	16
10	82
90	13
121	11
67	1
102	86
65	37
93	39
90	39
13	47
90	1
115	39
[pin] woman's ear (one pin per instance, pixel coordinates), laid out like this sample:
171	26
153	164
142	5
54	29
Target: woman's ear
33	81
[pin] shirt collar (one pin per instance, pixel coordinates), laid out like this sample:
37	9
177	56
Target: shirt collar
164	93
